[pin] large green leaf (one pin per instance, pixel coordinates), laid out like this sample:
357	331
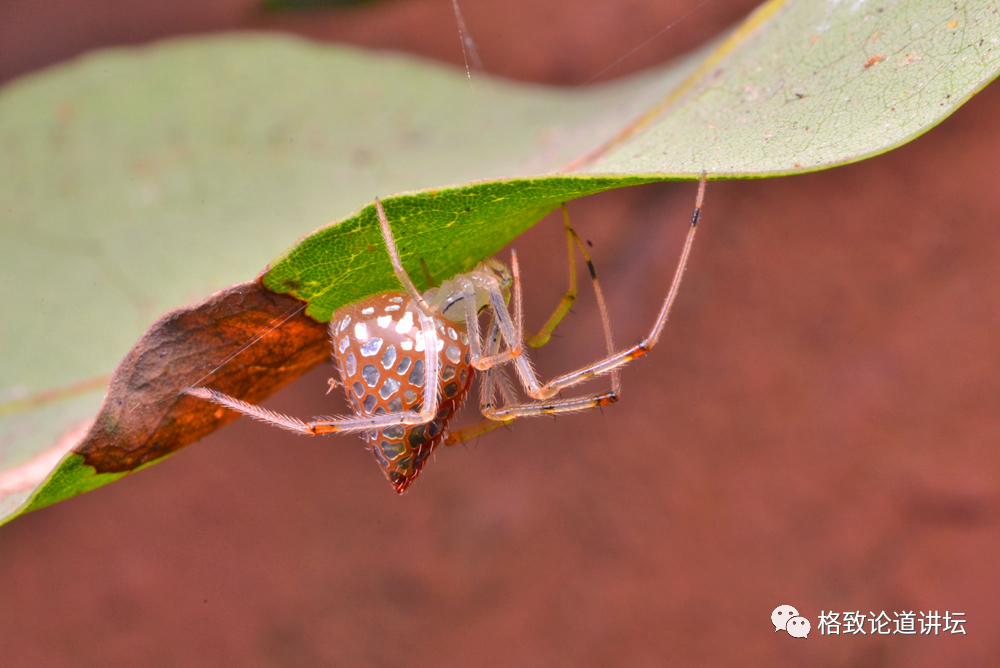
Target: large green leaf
807	85
144	179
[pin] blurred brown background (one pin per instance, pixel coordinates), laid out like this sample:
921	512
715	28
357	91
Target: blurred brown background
818	427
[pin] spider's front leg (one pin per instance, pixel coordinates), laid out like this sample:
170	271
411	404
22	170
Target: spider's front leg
428	407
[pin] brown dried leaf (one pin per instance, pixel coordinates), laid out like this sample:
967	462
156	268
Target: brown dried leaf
146	416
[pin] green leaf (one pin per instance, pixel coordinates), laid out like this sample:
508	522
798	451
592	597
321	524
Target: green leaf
808	85
133	181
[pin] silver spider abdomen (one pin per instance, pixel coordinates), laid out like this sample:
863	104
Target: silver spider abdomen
379	347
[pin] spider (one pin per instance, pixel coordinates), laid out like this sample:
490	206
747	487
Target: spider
407	359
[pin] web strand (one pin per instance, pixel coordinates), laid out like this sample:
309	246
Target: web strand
468	46
643	45
275	324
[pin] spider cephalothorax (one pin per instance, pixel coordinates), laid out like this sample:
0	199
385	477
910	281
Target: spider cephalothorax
407	359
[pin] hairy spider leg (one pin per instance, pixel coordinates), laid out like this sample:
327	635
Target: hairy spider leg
493	377
397	266
486	386
566	303
610	364
428	408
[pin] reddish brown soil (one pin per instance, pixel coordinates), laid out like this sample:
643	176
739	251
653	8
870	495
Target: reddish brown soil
819	426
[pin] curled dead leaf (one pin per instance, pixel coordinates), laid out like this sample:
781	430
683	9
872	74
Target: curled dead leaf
146	416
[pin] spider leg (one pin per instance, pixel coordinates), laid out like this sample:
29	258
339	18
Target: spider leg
510	329
566	302
397	265
601	306
493	378
610	364
487	379
480	360
490	380
500	268
506	414
465	433
493	382
428	407
564	305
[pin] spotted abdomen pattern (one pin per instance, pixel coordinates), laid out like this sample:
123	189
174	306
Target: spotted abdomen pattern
379	347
